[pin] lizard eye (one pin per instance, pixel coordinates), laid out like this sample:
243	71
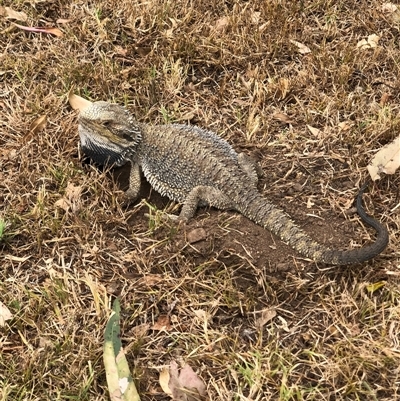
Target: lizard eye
106	123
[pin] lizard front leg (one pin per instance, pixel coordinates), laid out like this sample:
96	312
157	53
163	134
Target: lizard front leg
250	167
132	192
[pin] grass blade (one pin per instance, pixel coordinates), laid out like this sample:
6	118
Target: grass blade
119	379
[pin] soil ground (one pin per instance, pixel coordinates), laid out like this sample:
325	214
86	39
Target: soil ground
284	81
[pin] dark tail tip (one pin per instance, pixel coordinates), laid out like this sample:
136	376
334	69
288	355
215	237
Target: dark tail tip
367	252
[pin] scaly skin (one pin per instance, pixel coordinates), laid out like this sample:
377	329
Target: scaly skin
196	167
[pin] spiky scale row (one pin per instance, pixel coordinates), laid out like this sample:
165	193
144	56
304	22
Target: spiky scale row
196	167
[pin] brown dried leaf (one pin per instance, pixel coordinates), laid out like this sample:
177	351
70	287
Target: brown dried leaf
266	316
62	203
221	24
169	33
284	323
151	279
17	258
283	86
202	314
255	17
369	43
164	380
140	331
385	98
163	323
121	51
63	21
51	30
392	11
8	154
283	117
387	160
143	50
71	199
315	131
389	8
38	125
77	102
191	381
73	192
185	386
17	15
345	125
303	49
174	385
5	314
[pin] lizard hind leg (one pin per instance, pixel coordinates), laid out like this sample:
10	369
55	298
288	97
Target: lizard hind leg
250	167
200	195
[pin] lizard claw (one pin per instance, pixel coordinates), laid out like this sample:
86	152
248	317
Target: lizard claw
179	219
171	217
167	217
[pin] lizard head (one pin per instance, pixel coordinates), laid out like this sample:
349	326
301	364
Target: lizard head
107	131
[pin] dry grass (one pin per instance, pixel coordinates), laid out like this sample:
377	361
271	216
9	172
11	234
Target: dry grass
230	67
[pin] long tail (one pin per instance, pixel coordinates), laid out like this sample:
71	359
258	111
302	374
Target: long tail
278	222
